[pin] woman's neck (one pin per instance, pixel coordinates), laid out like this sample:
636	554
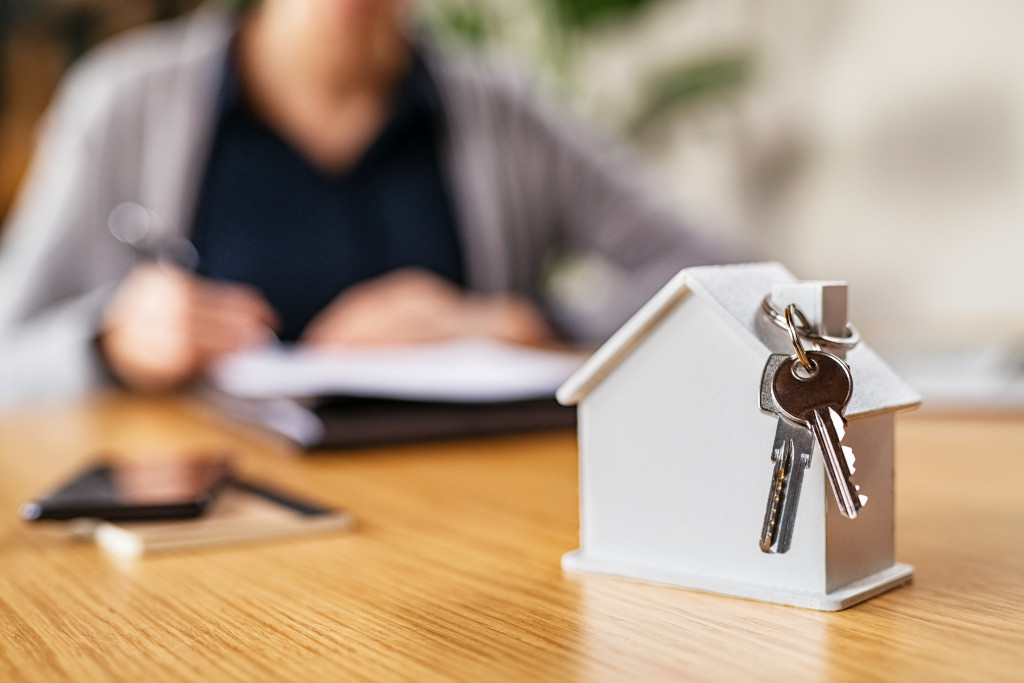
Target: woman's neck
324	88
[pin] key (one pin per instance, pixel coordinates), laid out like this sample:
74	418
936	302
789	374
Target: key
791	454
818	399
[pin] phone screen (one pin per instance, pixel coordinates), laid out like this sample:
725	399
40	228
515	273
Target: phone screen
172	489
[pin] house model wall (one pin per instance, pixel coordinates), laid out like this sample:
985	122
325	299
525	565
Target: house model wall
676	454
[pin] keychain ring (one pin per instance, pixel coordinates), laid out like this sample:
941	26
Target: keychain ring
793	312
804	330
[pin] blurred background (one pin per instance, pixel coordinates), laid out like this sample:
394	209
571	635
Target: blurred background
878	142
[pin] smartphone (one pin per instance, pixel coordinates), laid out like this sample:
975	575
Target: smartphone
169	489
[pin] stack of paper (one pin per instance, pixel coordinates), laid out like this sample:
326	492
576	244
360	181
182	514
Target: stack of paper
467	371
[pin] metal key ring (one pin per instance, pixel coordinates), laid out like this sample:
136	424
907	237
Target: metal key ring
793	312
804	330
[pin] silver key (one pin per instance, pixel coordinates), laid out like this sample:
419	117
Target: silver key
791	454
818	400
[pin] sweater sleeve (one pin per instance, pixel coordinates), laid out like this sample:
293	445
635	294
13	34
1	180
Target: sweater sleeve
50	296
532	187
596	205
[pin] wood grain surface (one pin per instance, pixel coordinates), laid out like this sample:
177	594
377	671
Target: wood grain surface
454	571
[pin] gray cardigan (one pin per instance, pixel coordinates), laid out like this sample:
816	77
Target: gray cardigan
134	122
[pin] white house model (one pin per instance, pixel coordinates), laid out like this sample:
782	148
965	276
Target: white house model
675	451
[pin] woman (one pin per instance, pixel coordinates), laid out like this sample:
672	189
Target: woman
342	183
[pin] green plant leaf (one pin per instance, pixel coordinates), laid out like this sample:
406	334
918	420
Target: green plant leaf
470	24
580	14
691	83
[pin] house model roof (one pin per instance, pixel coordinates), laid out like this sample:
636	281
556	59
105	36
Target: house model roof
736	292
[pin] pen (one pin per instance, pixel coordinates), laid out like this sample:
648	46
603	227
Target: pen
144	232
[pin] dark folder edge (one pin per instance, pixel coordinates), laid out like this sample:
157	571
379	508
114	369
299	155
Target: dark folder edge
351	422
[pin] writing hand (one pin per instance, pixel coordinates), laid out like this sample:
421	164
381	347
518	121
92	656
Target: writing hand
164	326
410	306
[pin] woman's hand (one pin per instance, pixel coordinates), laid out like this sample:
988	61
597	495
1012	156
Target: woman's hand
410	306
163	326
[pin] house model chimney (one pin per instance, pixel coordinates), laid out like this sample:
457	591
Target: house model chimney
824	304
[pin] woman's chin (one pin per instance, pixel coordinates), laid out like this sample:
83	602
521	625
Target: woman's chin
351	12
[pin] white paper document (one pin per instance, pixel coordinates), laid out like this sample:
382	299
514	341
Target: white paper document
467	371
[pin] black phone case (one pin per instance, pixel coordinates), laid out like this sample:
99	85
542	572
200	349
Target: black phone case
92	494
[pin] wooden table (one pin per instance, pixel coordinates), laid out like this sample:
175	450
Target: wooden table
454	572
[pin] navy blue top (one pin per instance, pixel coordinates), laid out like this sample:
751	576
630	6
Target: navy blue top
268	217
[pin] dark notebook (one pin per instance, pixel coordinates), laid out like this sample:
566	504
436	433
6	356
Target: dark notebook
387	395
